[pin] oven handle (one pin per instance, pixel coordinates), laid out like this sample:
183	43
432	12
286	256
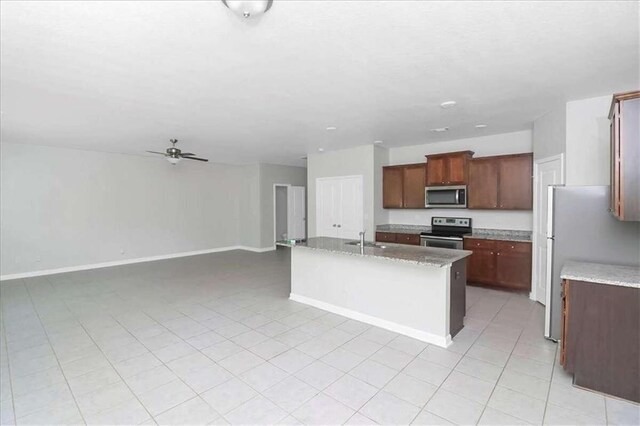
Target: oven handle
429	237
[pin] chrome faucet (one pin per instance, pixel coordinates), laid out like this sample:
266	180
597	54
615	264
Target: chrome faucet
362	238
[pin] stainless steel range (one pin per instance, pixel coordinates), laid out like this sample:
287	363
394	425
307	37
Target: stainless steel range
446	232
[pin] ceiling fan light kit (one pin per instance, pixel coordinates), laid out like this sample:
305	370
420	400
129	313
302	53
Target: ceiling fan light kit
174	155
248	8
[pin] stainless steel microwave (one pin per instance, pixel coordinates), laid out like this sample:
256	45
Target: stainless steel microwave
446	197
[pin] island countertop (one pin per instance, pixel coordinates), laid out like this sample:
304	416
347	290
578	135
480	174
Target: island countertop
417	255
625	276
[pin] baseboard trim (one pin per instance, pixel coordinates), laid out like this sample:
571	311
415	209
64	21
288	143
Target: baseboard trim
424	336
256	249
128	262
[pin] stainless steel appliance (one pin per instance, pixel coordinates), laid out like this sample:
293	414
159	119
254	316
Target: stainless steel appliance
580	227
446	232
446	197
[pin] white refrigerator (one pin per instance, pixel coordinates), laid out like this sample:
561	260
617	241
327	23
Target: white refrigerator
581	227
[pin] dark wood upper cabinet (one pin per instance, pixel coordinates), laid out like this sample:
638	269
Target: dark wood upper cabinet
625	156
501	182
414	176
448	169
392	187
403	186
515	188
482	189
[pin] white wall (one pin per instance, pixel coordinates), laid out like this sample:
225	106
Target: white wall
506	143
550	133
588	155
271	174
63	208
346	162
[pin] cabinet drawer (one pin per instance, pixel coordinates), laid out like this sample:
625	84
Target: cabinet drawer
388	237
413	239
478	243
513	247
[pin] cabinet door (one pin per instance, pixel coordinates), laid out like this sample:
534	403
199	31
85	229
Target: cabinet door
481	265
456	170
392	178
436	171
513	270
386	237
350	207
515	188
414	177
615	161
410	239
483	184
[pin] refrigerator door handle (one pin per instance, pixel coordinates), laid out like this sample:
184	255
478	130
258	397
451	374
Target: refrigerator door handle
549	265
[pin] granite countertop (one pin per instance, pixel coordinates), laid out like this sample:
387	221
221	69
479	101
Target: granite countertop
417	255
500	234
403	229
487	234
625	276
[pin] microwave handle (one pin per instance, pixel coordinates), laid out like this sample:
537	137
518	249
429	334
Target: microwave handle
457	196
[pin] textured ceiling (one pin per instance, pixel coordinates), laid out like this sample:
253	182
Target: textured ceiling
127	76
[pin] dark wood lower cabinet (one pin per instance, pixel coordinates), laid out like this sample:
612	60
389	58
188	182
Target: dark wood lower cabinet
496	263
399	238
600	342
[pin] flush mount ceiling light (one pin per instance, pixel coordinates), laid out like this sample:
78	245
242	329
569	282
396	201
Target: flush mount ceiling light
448	104
248	8
320	149
378	142
331	128
440	129
480	126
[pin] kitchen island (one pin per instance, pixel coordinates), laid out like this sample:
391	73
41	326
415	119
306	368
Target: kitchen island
412	290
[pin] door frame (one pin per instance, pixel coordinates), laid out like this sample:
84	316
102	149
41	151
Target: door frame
533	295
275	218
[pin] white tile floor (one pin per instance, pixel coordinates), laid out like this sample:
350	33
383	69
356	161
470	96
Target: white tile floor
214	339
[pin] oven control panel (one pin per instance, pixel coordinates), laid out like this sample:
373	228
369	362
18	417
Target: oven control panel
463	222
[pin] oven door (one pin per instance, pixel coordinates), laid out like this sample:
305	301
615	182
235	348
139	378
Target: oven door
441	242
446	196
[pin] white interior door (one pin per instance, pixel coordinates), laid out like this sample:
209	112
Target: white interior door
548	171
296	213
327	192
350	207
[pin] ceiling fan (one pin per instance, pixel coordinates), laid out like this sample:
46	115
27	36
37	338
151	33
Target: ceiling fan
174	155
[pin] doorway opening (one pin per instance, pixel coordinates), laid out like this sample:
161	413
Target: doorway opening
289	212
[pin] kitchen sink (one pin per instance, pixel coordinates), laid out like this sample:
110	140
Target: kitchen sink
366	244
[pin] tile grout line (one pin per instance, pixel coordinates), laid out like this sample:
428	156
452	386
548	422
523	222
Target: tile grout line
6	346
46	333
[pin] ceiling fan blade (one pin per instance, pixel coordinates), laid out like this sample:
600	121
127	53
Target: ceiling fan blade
187	154
194	158
156	152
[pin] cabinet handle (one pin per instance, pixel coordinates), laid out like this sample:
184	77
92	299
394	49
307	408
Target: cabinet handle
512	247
491	252
334	225
498	254
339	226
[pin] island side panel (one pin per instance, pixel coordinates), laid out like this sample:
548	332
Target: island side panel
458	296
403	297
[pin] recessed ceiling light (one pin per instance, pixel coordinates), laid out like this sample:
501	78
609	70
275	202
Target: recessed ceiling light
440	129
331	128
320	149
480	126
378	142
448	104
